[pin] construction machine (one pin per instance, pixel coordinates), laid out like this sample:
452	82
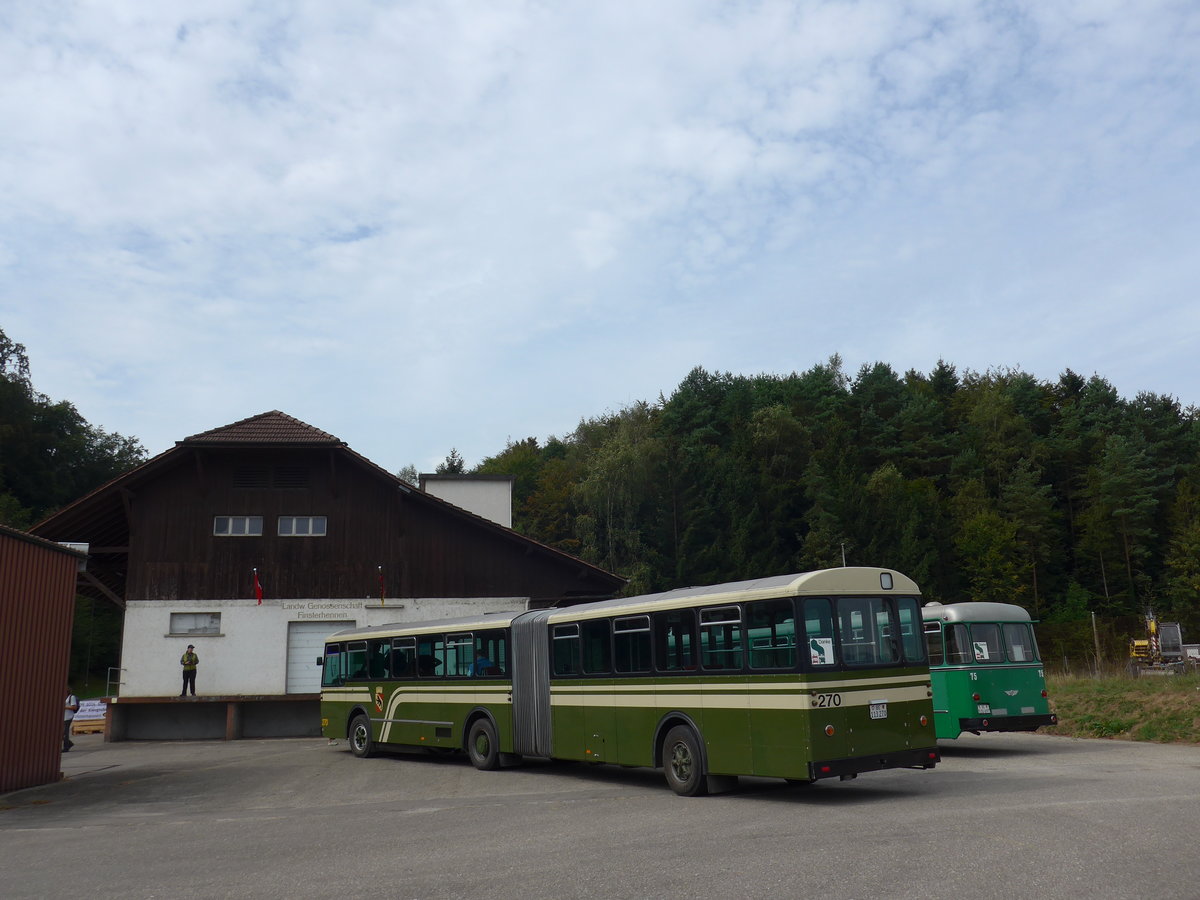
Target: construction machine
1160	652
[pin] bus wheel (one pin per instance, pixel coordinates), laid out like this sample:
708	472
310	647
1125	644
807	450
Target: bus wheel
483	746
683	764
361	744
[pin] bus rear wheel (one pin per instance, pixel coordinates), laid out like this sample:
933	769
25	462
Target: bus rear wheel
482	745
361	744
683	763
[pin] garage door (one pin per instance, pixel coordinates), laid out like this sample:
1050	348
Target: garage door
306	641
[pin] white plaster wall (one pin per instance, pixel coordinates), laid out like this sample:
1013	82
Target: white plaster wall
488	499
249	656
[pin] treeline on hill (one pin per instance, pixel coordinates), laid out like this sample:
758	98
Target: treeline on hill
1061	497
49	457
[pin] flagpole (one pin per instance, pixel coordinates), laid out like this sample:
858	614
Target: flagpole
382	589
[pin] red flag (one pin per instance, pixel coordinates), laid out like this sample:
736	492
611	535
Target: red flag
257	588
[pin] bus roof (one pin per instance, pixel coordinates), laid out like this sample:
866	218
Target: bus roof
458	623
845	580
974	611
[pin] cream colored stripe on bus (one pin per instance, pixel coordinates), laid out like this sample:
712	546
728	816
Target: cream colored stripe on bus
748	700
824	687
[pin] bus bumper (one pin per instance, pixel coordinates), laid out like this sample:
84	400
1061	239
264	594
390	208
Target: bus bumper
1007	723
923	758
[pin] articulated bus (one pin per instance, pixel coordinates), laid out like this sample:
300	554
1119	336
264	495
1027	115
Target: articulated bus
987	672
708	683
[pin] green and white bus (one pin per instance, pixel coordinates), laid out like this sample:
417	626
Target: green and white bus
987	672
709	683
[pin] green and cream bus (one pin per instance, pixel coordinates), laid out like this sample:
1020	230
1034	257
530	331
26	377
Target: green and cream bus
986	670
800	677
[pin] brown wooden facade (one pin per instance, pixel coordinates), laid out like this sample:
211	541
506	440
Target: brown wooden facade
152	530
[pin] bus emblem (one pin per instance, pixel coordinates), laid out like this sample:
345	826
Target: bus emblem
379	699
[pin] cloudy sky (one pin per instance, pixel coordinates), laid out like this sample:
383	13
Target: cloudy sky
430	225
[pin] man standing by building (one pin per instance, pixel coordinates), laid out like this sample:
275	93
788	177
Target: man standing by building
189	661
69	709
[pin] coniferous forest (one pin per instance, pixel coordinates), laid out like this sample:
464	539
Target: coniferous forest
1060	496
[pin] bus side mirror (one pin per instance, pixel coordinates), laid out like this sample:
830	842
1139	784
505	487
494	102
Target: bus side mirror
320	661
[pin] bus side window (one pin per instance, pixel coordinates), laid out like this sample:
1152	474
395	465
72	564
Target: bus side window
771	630
378	652
675	640
404	657
431	656
460	654
721	638
356	661
631	644
933	641
597	647
565	649
332	673
910	630
491	654
958	645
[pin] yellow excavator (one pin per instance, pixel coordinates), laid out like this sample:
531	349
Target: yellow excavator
1160	652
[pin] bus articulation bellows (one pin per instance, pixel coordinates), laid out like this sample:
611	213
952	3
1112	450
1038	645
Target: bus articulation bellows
800	677
986	669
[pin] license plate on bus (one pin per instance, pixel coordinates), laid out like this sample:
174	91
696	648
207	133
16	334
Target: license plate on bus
984	709
878	709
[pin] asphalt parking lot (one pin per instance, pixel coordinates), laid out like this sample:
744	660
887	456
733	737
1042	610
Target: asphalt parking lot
1002	816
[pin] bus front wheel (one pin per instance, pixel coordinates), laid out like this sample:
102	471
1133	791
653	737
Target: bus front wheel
483	746
361	744
683	763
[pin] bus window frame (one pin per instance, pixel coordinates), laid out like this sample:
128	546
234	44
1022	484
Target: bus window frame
351	648
686	640
408	646
638	624
775	647
334	651
933	636
454	645
568	631
589	639
735	623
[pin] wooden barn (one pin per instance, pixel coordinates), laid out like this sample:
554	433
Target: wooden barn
254	541
37	606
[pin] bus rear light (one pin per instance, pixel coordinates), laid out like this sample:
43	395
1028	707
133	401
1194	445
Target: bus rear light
825	770
985	723
975	697
924	721
1045	693
829	730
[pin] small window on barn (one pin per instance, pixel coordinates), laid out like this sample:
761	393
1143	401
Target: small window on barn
302	526
237	526
195	623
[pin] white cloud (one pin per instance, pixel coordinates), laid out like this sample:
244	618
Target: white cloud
428	226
